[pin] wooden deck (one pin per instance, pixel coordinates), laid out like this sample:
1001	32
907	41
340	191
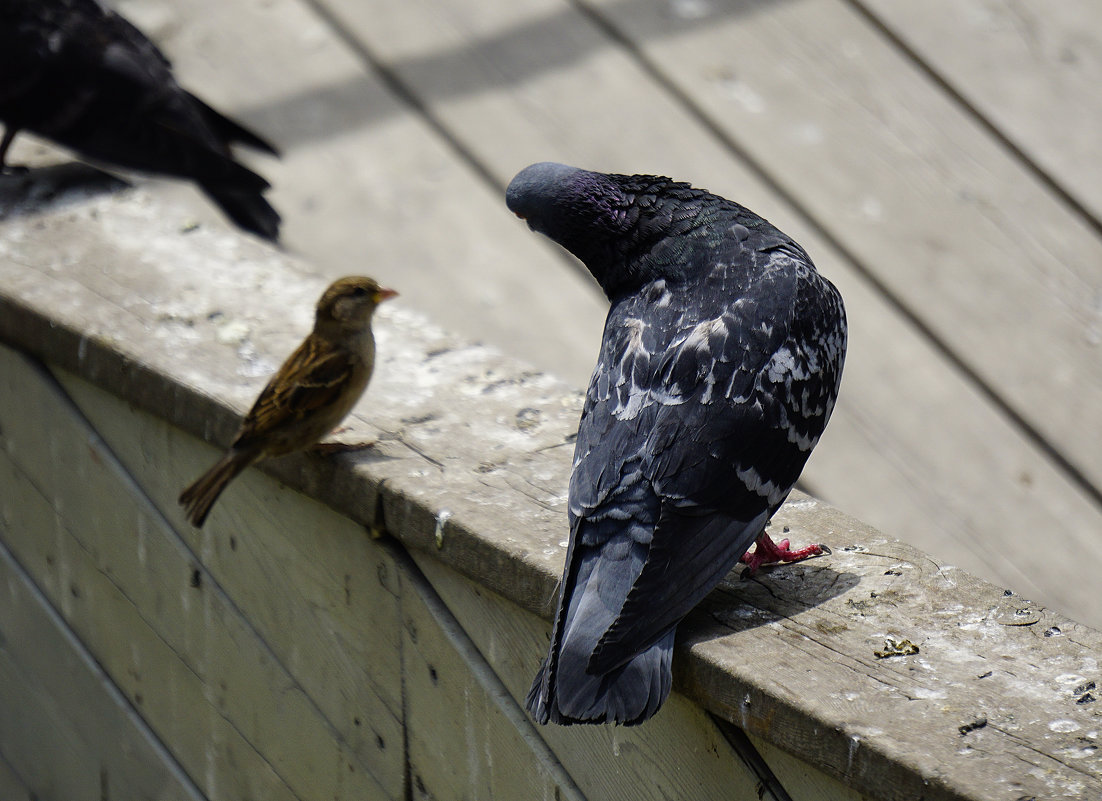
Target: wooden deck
939	161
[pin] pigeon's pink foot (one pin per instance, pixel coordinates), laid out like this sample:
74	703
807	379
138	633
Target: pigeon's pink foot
767	552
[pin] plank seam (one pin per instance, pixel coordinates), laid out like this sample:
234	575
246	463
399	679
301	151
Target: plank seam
484	672
406	94
113	463
1049	181
118	697
1043	443
752	758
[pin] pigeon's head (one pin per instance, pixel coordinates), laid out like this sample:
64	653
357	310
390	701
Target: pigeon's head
565	203
613	223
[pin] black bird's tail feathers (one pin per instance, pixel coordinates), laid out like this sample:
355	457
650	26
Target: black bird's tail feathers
248	209
230	131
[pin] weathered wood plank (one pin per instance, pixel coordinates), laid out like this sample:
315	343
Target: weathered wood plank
938	213
914	447
436	406
321	595
156	620
682	754
365	186
64	726
11	785
462	742
467	405
1033	72
947	683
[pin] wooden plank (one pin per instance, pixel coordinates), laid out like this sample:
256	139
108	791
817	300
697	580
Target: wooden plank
802	781
435	404
893	716
467	737
968	486
95	315
334	622
11	785
914	447
680	755
1032	73
954	227
66	732
156	620
365	186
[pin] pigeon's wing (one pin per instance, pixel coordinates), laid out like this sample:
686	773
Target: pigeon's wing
745	395
613	510
687	558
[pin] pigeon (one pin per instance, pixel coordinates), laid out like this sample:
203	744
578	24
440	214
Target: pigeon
308	396
719	366
77	73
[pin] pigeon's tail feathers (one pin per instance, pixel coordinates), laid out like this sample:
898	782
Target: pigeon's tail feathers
603	561
247	209
198	498
689	555
628	695
230	131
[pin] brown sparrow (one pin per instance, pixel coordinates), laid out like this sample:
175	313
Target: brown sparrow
310	394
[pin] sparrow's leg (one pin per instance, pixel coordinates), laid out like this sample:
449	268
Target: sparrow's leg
5	143
326	448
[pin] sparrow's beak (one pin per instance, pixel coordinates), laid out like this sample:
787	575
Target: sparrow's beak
384	294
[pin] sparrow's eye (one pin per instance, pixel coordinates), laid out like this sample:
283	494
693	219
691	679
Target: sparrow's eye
359	292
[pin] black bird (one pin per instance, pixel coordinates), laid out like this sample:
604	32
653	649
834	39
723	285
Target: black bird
75	72
720	363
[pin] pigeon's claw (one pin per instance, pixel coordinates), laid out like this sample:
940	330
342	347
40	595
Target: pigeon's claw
767	552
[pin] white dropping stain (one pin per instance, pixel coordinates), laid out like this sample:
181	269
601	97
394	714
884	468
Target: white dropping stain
563	543
441	518
926	694
743	94
809	134
871	208
232	332
1081	752
140	535
1070	678
690	9
1063	726
851	751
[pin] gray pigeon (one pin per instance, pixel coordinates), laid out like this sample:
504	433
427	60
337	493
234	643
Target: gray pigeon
75	72
719	367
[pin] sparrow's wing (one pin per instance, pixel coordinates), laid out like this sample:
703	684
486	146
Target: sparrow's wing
313	378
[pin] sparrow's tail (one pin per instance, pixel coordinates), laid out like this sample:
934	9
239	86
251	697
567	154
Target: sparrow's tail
198	498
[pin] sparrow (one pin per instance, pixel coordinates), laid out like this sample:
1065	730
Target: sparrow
719	366
77	73
308	396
